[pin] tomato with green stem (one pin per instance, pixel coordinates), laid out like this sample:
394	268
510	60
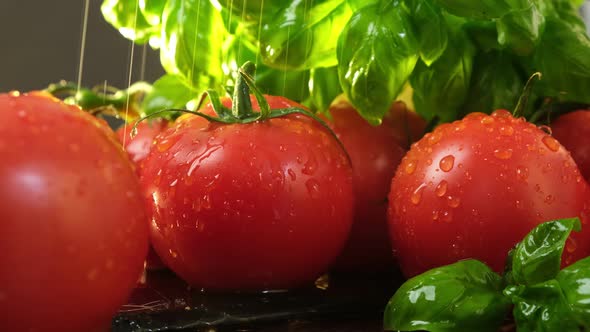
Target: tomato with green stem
375	152
474	187
74	231
248	200
572	131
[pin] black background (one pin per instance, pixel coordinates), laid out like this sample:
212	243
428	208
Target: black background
40	44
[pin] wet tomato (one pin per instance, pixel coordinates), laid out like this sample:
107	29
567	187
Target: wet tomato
263	205
572	130
74	231
375	152
138	147
474	188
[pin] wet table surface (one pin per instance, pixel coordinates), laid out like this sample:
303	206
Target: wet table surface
338	303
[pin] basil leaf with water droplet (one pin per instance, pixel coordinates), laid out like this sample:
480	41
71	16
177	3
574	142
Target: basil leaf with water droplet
431	29
169	91
441	89
520	29
465	296
575	284
541	308
191	45
495	83
302	35
129	17
377	52
537	258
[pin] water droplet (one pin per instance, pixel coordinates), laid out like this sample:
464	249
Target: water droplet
172	253
551	143
434	215
571	245
506	131
447	163
428	161
313	188
522	173
310	166
292	174
434	138
565	178
446	216
546	129
487	120
549	199
503	154
410	167
164	145
417	194
453	201
538	187
518	204
173	183
441	189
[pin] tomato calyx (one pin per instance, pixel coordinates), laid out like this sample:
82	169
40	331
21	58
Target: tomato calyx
105	100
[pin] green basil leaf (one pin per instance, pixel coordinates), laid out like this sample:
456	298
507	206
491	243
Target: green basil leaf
377	52
520	29
126	16
358	4
192	37
537	258
302	36
431	29
541	308
152	11
482	9
324	87
292	84
465	296
575	284
484	34
495	83
169	91
441	89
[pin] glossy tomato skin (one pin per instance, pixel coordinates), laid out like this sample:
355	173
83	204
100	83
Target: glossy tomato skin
266	205
375	152
572	130
138	147
474	188
73	227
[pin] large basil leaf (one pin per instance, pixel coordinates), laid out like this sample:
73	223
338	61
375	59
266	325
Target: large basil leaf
563	57
441	89
135	20
431	29
541	308
465	296
537	258
495	83
192	38
167	92
520	29
302	34
377	52
482	9
575	284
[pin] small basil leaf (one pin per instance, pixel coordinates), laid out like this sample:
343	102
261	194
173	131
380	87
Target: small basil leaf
495	83
537	257
377	52
152	11
324	87
168	91
520	29
191	43
302	36
575	284
431	29
541	308
441	89
126	16
465	296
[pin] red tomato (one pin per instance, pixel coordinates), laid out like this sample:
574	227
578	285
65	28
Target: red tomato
572	130
474	188
74	235
138	147
375	153
266	205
